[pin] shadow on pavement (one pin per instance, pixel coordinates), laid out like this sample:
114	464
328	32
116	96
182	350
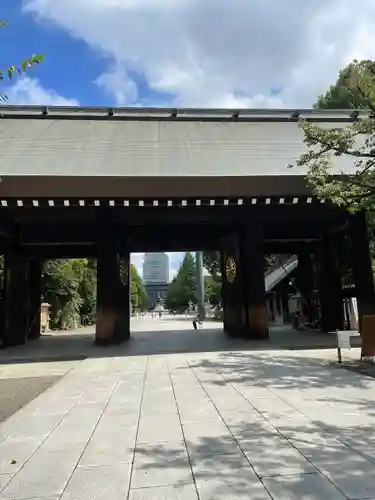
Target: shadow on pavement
289	460
79	345
327	453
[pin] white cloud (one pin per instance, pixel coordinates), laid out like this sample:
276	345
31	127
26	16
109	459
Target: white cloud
175	259
28	90
117	83
220	52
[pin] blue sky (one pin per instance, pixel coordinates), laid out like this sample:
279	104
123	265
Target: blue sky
184	52
211	53
70	67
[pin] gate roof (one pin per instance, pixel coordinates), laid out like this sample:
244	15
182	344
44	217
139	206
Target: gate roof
140	150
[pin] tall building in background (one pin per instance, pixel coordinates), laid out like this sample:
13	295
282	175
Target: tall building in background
156	268
156	276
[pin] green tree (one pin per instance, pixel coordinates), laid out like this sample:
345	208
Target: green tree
344	93
8	73
139	298
212	289
86	271
183	288
211	262
355	88
60	285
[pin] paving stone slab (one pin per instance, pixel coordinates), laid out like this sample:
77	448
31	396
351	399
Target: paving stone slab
108	448
118	419
350	472
158	404
205	415
225	468
55	405
159	409
230	490
272	406
200	430
247	430
362	447
61	441
4	480
241	418
38	426
190	404
185	492
17	392
208	446
158	429
132	409
233	403
274	456
161	466
45	474
162	451
300	487
98	483
69	434
15	452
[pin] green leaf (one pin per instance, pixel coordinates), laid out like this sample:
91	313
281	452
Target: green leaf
355	87
12	70
24	66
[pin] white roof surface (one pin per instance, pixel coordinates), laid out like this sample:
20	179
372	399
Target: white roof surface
32	145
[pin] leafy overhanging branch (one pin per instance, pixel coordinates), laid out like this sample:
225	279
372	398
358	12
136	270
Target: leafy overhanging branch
355	191
9	73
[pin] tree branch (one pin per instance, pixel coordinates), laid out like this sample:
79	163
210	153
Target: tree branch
329	146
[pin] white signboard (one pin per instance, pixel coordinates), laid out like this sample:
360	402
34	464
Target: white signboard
343	339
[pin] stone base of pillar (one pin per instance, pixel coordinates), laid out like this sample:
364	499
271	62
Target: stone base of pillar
256	330
111	328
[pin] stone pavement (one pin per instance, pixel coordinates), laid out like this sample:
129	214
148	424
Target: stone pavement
21	383
170	335
230	425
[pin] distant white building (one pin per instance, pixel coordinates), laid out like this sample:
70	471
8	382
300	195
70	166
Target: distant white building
156	268
156	277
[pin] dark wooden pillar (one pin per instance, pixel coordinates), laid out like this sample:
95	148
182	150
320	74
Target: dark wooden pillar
253	283
244	297
35	298
16	299
361	266
305	282
113	290
232	286
2	308
330	288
